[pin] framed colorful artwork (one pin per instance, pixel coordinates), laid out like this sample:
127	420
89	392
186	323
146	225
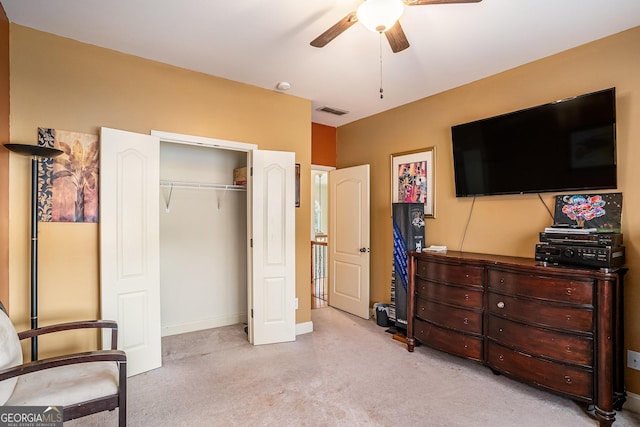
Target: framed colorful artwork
413	178
602	211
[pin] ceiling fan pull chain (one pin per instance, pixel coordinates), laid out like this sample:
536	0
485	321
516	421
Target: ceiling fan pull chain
381	95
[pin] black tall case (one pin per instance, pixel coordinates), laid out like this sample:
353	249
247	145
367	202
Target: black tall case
408	235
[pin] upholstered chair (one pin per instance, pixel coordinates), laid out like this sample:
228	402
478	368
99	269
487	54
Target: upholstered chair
80	383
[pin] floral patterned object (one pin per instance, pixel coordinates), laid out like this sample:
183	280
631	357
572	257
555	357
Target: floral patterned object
45	176
581	209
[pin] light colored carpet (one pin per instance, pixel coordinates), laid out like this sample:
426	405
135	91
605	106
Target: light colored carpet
348	372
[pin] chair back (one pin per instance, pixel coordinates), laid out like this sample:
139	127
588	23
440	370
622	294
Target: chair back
10	353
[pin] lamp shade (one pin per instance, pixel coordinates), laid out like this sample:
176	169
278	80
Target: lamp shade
33	150
379	15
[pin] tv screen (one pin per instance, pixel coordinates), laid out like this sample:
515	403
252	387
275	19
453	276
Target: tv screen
565	145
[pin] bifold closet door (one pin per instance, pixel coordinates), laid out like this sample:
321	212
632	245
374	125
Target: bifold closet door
272	286
129	231
129	236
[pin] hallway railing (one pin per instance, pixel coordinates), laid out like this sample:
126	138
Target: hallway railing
319	269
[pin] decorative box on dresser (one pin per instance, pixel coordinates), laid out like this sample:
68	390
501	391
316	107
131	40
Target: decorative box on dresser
557	328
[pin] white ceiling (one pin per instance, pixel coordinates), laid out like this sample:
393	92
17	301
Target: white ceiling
263	42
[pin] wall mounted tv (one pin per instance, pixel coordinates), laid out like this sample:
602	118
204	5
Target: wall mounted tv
566	145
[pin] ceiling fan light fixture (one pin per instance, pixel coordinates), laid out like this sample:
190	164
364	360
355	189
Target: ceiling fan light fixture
380	15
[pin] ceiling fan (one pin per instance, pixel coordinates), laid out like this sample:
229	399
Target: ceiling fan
380	16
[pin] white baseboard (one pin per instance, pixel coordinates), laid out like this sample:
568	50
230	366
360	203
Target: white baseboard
304	328
212	322
301	328
633	403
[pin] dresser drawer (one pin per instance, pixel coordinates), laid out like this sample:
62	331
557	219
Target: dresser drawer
462	275
570	380
558	316
450	294
556	289
451	317
556	345
447	340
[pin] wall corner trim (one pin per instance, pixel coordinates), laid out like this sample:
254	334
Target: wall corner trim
304	328
633	402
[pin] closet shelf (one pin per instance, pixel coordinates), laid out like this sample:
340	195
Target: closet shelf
198	186
202	185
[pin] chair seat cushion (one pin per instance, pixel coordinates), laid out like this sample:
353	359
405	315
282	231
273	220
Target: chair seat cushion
10	354
66	385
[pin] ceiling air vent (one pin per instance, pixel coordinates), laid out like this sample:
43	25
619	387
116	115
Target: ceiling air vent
332	111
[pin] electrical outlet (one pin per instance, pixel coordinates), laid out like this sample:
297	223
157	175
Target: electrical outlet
633	359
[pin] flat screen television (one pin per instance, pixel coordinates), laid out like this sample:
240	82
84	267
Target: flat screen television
567	145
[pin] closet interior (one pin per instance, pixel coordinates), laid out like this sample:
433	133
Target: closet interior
203	238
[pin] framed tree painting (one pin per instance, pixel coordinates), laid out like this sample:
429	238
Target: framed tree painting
413	178
68	184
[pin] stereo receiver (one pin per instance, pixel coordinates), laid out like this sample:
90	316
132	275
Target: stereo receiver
589	256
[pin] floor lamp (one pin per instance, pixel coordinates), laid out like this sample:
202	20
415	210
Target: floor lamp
36	152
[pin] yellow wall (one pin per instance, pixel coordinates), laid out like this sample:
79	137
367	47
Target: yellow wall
504	224
63	84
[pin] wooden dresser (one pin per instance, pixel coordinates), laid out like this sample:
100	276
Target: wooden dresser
553	327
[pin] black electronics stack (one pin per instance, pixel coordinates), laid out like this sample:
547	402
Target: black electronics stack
564	245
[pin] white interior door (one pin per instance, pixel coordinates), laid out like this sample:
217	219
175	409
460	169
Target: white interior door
129	244
272	216
349	250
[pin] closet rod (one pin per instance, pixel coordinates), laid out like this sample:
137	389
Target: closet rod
202	185
198	186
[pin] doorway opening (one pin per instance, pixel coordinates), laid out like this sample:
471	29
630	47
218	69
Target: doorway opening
319	236
203	238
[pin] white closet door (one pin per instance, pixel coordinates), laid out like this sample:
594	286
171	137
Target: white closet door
272	278
129	239
129	244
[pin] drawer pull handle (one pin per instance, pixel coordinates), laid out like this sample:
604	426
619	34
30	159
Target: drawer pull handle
568	291
500	357
567	379
501	280
500	330
568	349
466	297
466	321
500	304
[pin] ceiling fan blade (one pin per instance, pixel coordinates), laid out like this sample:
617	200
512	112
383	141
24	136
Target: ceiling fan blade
397	40
423	2
335	30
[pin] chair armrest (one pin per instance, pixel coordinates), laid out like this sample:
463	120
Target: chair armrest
85	324
70	359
